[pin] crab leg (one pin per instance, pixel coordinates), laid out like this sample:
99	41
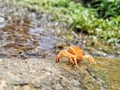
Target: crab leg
76	63
90	58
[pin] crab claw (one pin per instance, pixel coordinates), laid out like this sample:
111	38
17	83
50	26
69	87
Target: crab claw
61	54
65	53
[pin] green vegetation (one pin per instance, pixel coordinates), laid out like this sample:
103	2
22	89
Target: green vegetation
101	20
107	8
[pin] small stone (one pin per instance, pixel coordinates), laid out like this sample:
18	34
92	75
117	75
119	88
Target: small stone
2	22
3	84
0	60
58	87
76	83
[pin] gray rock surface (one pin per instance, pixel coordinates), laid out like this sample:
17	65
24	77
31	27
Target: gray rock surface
42	74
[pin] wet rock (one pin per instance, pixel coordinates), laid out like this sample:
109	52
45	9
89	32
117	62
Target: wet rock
98	53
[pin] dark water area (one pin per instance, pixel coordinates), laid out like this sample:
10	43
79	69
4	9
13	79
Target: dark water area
29	34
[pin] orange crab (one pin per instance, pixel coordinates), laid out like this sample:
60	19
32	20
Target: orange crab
74	54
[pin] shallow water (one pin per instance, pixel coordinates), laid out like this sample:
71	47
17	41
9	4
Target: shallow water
36	34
